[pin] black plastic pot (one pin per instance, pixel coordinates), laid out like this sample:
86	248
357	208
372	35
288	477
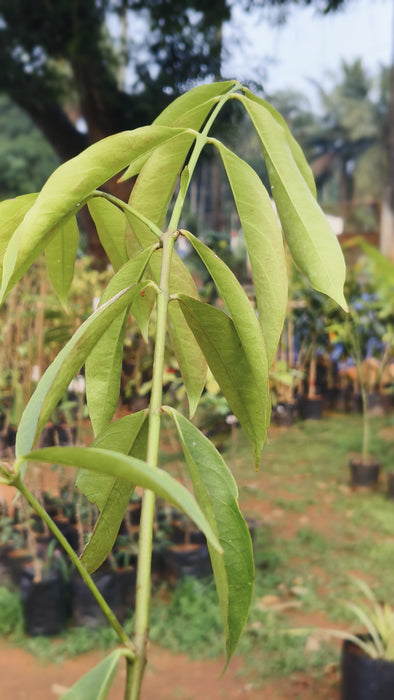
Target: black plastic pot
284	414
134	512
69	532
390	485
44	604
5	570
364	474
364	678
48	436
188	560
311	409
84	607
125	580
376	404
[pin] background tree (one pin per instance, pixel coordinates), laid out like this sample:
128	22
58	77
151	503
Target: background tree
26	157
85	69
348	143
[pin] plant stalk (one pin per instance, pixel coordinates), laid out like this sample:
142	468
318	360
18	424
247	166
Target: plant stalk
143	589
364	398
201	140
113	621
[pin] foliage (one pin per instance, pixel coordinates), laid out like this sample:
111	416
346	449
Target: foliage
11	618
367	333
377	619
34	328
63	61
237	344
302	457
191	621
350	143
27	159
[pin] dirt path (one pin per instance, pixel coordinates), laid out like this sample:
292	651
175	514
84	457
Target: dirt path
174	676
168	677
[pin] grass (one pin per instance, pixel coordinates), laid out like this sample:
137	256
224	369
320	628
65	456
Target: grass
314	531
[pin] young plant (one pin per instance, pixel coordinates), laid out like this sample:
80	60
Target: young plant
377	619
238	344
370	321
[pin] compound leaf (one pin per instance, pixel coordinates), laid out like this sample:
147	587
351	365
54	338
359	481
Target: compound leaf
60	255
217	494
133	470
111	495
264	243
217	336
110	223
311	241
59	374
68	188
104	363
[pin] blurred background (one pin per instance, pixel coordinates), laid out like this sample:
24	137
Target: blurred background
75	71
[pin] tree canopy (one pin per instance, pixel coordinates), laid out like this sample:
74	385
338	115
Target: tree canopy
64	62
346	140
26	157
84	69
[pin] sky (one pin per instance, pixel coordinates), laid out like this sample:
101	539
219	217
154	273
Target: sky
309	46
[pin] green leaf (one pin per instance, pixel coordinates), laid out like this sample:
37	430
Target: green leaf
191	100
152	192
104	363
111	224
169	158
191	361
264	243
150	196
383	267
310	238
60	255
59	374
216	492
154	187
133	470
111	495
103	369
12	212
95	684
142	309
295	148
239	308
247	397
68	188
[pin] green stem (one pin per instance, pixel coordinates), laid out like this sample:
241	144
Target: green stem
143	590
355	341
127	208
18	483
200	142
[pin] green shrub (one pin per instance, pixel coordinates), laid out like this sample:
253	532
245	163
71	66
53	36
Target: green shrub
11	616
191	621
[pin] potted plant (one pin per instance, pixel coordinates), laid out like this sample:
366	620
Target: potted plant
283	381
361	334
238	345
44	592
367	657
367	661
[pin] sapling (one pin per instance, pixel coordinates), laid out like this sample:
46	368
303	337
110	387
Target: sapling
238	344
